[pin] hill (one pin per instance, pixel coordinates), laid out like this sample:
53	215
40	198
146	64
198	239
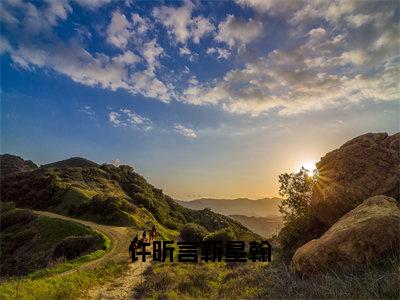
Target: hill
106	194
242	206
10	164
264	226
72	162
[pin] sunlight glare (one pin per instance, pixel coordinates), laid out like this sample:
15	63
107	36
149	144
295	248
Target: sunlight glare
309	165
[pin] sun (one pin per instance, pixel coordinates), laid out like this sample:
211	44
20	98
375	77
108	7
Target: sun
309	165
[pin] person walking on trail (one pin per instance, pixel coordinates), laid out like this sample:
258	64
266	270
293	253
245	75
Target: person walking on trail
135	239
144	234
132	248
153	233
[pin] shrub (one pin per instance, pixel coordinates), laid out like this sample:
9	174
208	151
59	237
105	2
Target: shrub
193	232
224	234
18	217
6	206
74	246
299	231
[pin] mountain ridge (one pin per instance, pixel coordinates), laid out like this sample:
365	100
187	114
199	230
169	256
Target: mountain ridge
264	207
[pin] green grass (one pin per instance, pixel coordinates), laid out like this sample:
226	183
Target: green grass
69	286
202	281
274	281
53	230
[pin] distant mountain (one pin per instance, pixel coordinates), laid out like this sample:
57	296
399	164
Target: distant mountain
72	162
10	164
265	207
265	227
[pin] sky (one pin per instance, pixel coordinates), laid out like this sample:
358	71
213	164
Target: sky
204	99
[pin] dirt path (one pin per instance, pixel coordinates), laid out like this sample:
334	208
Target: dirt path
122	287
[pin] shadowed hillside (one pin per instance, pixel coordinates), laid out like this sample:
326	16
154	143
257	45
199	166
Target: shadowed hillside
10	164
264	226
71	163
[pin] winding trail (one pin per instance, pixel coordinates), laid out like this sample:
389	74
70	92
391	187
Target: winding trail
123	286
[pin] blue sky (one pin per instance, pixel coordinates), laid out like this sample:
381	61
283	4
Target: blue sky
205	99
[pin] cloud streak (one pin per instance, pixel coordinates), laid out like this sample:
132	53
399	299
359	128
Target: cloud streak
186	132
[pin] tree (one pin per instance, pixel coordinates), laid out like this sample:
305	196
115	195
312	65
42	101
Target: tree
296	188
193	232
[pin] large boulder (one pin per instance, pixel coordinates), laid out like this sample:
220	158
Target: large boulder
363	167
364	234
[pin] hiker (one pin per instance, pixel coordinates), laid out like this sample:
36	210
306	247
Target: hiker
144	234
153	233
132	248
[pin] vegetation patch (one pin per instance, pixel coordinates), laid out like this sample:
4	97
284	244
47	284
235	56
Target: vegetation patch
28	242
69	286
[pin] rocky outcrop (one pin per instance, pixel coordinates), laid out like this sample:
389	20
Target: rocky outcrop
363	167
363	235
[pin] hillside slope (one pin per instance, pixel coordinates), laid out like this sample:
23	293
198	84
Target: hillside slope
106	194
10	164
264	226
30	241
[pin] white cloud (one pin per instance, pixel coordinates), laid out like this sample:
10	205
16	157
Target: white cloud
118	32
129	118
122	31
127	58
92	4
200	26
271	6
219	52
88	111
234	31
179	23
327	70
184	51
113	117
35	20
187	132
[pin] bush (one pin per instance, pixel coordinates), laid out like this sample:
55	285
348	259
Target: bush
74	246
193	232
299	231
6	206
224	234
18	217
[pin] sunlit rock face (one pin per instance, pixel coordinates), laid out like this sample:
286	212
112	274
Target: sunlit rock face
364	234
365	166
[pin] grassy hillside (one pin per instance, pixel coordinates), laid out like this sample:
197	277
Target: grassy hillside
106	194
30	242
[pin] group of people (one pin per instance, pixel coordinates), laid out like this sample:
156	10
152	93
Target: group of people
136	243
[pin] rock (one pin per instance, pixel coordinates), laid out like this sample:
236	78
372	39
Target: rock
363	167
363	235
